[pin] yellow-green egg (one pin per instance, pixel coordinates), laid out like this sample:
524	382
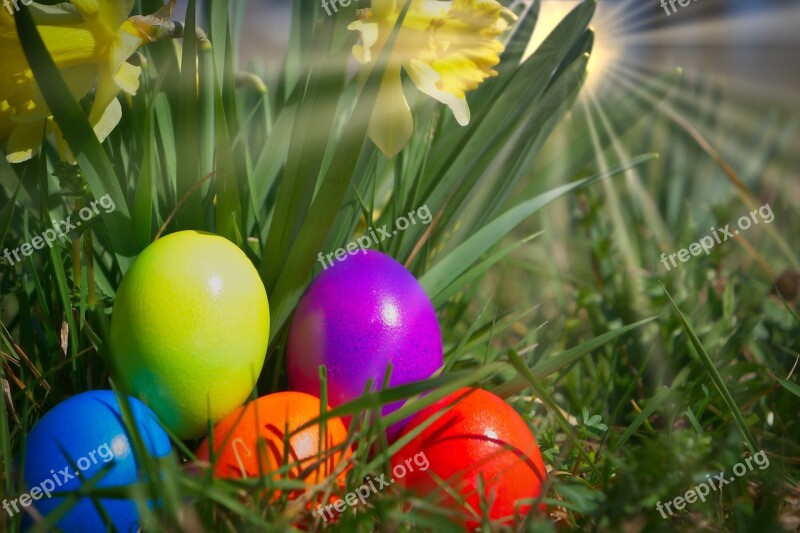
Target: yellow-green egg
190	328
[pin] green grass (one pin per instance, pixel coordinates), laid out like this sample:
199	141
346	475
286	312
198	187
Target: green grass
542	262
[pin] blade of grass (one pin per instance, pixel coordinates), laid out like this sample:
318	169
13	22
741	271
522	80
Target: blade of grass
654	403
564	359
714	374
534	384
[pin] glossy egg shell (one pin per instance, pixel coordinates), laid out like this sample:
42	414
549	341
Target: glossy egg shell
356	318
190	328
268	418
88	428
481	435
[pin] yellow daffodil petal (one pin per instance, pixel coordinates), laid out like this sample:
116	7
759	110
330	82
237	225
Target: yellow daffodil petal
108	121
105	92
111	13
119	74
6	21
427	79
436	8
129	38
426	15
67	46
24	139
29	102
88	8
115	12
369	36
391	124
128	41
127	78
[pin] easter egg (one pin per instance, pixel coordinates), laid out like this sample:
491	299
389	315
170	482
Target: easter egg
85	434
358	317
479	437
190	328
267	420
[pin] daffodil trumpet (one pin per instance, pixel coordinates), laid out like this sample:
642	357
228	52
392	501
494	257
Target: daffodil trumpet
447	48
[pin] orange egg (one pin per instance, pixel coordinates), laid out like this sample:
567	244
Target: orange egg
262	425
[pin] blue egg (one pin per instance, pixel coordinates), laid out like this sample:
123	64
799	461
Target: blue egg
86	434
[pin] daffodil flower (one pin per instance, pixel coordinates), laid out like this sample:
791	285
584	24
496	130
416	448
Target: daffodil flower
90	42
447	48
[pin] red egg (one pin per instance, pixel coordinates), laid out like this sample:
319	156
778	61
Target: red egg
480	436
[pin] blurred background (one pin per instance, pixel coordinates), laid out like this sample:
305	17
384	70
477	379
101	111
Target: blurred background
748	44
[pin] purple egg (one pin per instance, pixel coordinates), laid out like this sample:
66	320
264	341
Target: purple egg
357	317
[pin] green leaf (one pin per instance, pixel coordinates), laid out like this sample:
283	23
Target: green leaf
6	214
791	387
144	197
228	212
309	140
188	131
475	272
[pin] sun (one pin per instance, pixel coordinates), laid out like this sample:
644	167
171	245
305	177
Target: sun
608	29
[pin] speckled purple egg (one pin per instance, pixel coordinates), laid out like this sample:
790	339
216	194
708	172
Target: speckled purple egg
358	316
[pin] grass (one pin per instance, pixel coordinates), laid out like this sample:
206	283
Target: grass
551	213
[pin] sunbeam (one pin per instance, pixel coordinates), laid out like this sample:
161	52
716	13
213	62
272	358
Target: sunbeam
628	248
649	210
